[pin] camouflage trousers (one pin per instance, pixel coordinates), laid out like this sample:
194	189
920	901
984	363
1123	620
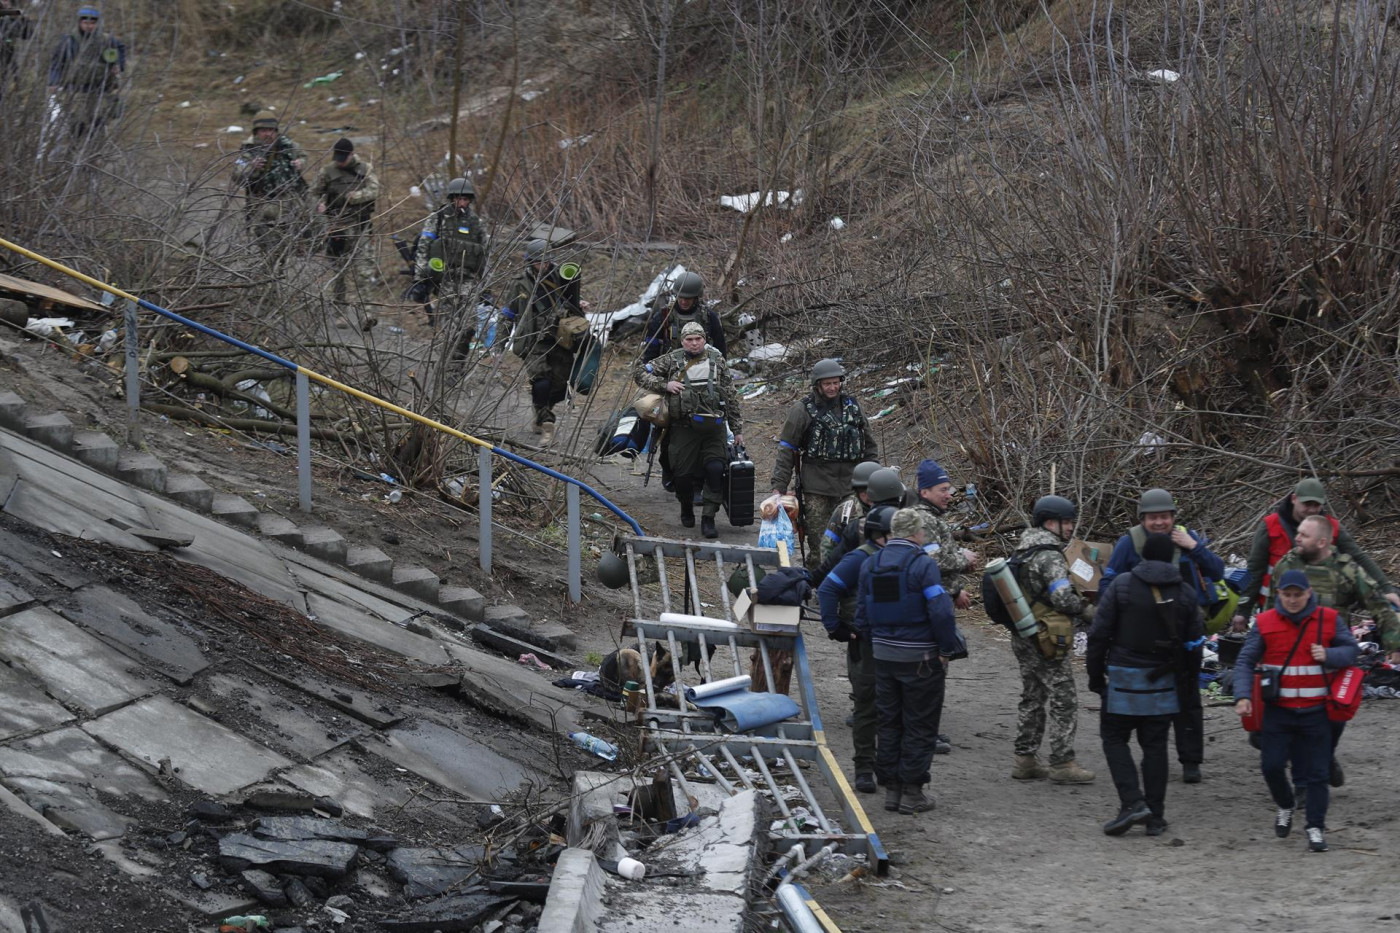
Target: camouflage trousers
355	259
1045	683
816	512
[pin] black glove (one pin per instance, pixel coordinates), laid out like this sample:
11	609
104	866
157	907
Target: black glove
842	632
419	292
1100	688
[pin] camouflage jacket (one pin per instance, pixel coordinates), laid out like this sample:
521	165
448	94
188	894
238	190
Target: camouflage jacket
839	533
940	544
653	377
1341	584
1045	575
349	191
277	176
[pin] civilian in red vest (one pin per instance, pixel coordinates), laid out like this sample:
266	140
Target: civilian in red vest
1273	538
1295	644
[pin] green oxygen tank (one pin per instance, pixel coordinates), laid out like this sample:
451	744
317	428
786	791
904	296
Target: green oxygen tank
1010	592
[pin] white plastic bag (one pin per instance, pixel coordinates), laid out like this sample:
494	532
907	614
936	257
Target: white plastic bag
775	529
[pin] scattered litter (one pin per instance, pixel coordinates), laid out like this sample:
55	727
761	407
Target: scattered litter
631	869
836	223
238	80
743	203
47	326
529	660
184	103
746	318
600	322
1165	75
754	392
1148	443
800	819
573	141
769	351
234	129
528	96
594	745
256	389
359	56
327	79
883	413
785	238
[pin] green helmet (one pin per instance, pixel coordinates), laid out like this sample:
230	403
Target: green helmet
690	285
884	486
1048	507
877	521
535	250
1156	500
612	571
860	476
827	369
461	186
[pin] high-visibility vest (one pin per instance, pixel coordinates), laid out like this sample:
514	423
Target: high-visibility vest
1301	683
1280	543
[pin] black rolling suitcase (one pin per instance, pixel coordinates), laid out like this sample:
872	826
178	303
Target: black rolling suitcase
738	487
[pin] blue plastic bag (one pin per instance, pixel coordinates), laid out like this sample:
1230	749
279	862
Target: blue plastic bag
778	528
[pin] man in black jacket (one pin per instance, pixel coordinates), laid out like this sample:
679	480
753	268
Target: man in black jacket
1146	625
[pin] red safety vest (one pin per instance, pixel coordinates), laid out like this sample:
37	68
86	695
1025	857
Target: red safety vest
1301	684
1280	544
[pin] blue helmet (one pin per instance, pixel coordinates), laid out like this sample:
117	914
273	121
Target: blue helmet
89	12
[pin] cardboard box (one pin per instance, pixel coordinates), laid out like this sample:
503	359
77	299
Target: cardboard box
766	619
1086	561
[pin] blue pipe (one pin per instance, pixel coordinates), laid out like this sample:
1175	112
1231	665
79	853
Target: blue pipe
569	479
257	351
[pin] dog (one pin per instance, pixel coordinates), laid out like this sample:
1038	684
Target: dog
625	664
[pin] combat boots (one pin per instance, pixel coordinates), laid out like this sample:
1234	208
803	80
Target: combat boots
1028	768
1070	773
892	794
913	800
547	434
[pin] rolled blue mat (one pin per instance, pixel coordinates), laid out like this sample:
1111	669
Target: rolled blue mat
743	711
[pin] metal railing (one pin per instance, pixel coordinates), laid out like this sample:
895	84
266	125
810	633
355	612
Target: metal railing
304	377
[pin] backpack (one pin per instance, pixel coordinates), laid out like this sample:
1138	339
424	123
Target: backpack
623	433
991	599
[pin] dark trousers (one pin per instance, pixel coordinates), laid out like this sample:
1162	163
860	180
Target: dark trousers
1189	724
1115	731
860	668
909	703
1304	738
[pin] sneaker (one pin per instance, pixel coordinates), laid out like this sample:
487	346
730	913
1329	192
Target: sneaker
1338	777
1190	774
914	800
1156	825
865	782
707	526
1283	822
1128	817
1071	772
892	794
1316	841
941	745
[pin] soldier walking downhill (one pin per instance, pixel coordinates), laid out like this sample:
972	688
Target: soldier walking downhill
449	259
549	323
85	74
823	438
268	168
1048	700
347	189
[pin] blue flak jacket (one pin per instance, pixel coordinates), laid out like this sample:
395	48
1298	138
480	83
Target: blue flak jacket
901	601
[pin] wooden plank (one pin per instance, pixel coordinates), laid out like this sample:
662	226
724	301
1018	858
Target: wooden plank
23	288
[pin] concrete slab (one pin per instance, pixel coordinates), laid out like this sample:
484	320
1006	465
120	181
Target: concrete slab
23	562
517	623
51	430
234	509
71	807
463	601
325	543
343	586
190	490
66	477
75	668
233	553
575	901
452	760
141	469
358	624
213	904
206	755
13	597
278	722
507	689
52	510
24	707
370	562
417	581
279	528
71	756
367	708
339	777
97	450
120	621
9	801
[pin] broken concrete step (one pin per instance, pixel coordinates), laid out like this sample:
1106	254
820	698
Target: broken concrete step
265	887
97	450
12	410
371	563
279	529
325	543
309	827
141	469
324	858
449	914
516	622
52	430
189	490
234	509
462	601
416	581
428	871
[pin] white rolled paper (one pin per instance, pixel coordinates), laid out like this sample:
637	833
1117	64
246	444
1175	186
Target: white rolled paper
705	691
681	620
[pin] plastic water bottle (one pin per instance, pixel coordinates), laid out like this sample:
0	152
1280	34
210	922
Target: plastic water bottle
594	745
970	491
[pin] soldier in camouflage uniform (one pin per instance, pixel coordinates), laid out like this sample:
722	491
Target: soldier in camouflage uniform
935	493
547	311
843	529
824	437
347	189
704	399
1339	582
450	254
1047	678
85	75
268	168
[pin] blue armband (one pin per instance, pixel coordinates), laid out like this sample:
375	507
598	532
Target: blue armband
1058	585
933	592
787	445
649	368
1194	643
653	341
833	536
839	582
427	235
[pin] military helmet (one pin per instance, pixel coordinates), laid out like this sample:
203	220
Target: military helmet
89	12
827	369
860	476
265	120
1156	500
535	250
877	521
1048	507
884	485
461	186
612	571
690	285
